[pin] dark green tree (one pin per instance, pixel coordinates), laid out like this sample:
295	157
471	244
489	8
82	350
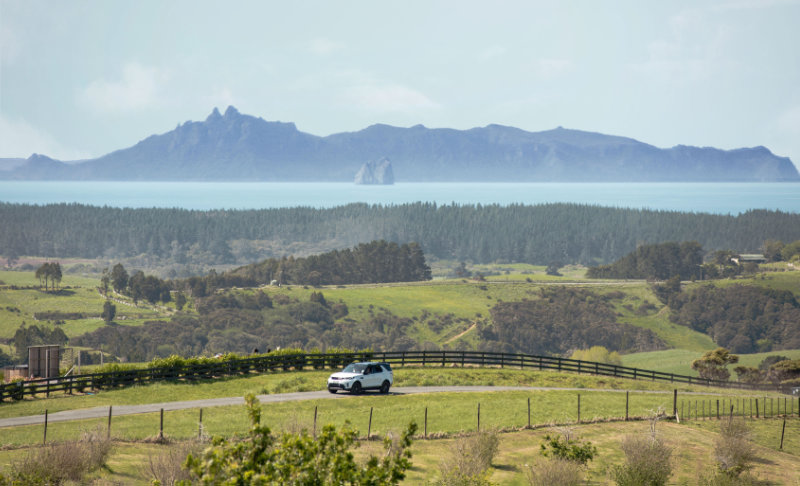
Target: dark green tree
119	278
105	280
772	250
180	300
109	311
713	364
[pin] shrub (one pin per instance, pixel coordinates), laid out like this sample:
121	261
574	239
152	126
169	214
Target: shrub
555	472
565	447
647	462
733	450
722	479
57	463
470	459
598	354
167	467
264	458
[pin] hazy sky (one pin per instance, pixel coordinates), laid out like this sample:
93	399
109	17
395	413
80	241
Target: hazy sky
82	78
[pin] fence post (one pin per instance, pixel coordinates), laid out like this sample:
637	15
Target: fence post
579	408
783	430
675	401
108	430
627	399
756	407
479	416
426	422
161	426
717	408
369	427
529	412
44	439
200	425
315	421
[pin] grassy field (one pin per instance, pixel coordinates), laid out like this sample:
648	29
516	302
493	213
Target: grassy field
679	361
77	294
270	383
691	441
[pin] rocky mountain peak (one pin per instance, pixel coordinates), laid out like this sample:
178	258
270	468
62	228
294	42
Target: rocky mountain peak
214	116
231	112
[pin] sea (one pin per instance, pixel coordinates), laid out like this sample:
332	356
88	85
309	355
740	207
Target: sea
718	198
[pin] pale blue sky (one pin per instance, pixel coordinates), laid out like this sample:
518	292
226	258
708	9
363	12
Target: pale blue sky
83	78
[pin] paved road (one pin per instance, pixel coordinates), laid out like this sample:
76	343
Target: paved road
98	412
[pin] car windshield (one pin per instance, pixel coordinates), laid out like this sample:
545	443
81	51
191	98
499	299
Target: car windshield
355	368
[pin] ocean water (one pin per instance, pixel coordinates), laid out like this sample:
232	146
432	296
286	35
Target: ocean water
720	198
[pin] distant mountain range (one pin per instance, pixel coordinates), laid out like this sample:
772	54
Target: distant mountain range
236	147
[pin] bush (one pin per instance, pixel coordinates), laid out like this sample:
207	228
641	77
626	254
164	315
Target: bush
263	458
565	447
647	462
167	468
470	459
722	479
598	354
555	472
58	463
733	450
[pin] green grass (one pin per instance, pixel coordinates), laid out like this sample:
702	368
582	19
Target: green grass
679	361
447	413
269	383
78	295
692	441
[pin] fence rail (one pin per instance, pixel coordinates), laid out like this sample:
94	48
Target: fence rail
273	362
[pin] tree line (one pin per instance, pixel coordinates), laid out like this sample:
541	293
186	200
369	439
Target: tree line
539	234
374	262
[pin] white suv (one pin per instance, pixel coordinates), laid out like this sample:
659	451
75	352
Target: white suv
357	377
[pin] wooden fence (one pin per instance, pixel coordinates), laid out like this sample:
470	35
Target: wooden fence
272	362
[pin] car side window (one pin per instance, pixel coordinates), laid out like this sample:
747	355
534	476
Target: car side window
368	370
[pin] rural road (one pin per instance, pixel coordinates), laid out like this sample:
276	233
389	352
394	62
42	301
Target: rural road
98	412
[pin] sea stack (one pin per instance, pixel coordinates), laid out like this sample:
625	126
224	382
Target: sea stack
376	173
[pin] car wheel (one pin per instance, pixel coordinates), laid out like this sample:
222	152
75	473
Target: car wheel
332	390
356	388
385	387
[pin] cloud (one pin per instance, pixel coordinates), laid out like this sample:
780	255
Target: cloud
138	89
789	121
752	4
9	45
553	68
389	98
20	139
491	52
692	51
323	46
223	97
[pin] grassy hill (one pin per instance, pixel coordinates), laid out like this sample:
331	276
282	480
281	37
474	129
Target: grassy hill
444	312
